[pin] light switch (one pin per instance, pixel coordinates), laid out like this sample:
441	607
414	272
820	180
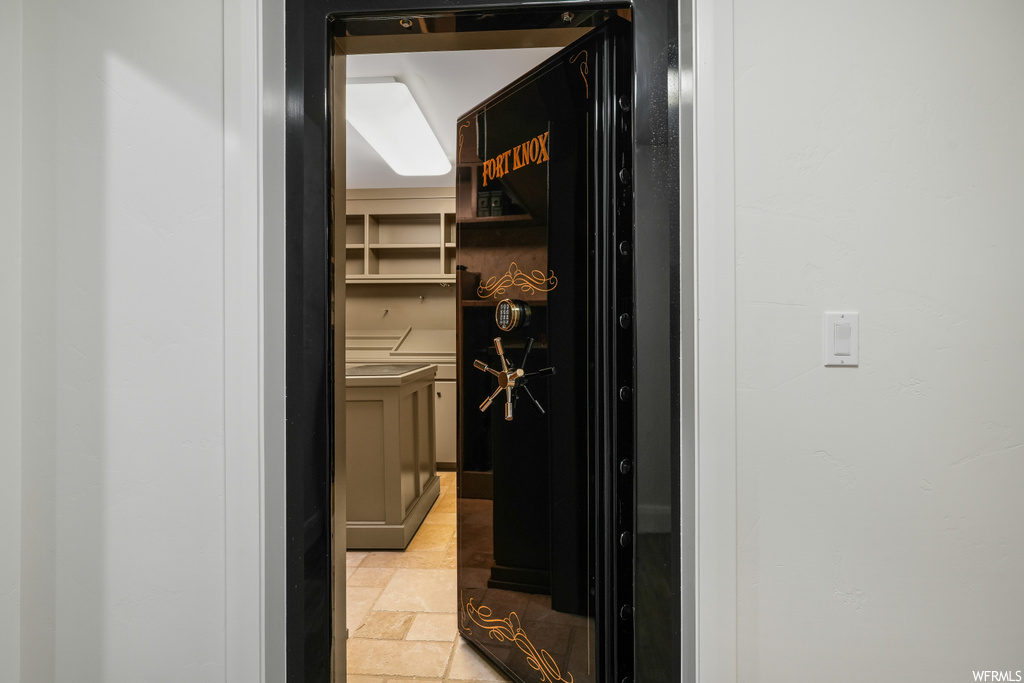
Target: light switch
841	339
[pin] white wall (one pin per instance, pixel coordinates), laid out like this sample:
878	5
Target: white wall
10	339
123	555
879	162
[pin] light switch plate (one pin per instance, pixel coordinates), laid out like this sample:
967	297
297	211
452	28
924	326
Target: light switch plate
842	339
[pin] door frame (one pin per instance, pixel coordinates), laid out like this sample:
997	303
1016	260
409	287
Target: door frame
664	283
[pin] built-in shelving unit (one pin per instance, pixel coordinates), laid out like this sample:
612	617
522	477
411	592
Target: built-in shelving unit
400	236
400	299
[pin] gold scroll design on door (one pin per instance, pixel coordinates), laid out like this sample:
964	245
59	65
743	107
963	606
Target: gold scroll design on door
535	281
511	630
584	68
461	135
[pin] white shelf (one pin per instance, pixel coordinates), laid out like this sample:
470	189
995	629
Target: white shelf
404	246
398	279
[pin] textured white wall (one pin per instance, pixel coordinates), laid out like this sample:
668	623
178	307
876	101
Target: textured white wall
124	551
879	161
10	339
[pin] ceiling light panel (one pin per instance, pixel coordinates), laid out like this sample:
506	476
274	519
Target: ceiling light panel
387	116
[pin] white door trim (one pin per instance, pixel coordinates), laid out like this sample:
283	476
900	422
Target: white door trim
254	628
715	324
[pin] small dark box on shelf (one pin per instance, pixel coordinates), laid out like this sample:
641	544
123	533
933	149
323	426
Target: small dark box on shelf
483	204
499	204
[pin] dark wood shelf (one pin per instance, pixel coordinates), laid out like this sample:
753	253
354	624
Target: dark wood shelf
492	220
473	303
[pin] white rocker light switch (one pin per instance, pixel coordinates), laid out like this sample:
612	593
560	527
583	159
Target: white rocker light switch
841	339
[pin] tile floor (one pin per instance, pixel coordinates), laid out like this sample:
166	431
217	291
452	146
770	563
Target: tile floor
401	608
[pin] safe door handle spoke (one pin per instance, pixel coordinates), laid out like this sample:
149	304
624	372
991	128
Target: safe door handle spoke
511	379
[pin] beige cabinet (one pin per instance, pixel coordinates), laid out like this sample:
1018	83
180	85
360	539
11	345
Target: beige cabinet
391	474
436	347
445	407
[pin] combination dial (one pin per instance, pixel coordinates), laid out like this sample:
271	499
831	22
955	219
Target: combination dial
511	379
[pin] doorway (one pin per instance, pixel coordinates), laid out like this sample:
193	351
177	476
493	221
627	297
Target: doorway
400	310
658	318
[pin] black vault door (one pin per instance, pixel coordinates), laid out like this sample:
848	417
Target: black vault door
546	503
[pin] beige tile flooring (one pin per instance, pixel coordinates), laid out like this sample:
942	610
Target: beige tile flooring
401	608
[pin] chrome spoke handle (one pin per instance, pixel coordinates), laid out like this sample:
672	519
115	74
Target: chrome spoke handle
489	400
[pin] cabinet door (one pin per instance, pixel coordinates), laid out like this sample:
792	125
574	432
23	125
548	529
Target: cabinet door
444	415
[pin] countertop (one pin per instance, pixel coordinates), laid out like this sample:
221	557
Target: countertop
406	346
389	374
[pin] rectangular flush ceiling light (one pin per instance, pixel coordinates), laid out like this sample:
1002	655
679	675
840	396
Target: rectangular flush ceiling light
387	116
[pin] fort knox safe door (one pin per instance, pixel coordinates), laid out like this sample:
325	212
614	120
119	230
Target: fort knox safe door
546	363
